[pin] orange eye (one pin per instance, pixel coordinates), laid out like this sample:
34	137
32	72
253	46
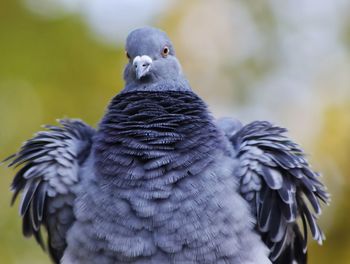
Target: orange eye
165	51
127	55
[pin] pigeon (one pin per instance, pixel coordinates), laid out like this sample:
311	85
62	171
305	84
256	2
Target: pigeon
162	181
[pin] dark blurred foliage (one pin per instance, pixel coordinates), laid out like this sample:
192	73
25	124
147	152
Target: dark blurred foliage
49	69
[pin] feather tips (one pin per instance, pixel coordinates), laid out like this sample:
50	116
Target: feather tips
48	165
287	184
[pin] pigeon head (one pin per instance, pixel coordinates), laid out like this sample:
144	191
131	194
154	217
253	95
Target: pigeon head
151	58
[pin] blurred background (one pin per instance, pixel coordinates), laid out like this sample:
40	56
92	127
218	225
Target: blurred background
283	61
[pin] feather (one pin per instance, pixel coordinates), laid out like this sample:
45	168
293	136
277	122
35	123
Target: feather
28	194
272	177
48	160
286	177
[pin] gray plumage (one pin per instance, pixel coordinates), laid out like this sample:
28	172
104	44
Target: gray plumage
161	181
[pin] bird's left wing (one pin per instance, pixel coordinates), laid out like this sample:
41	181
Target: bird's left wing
50	163
279	184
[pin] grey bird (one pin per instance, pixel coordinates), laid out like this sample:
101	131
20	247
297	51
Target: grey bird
161	181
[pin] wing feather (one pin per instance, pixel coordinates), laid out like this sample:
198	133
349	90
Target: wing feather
286	188
50	163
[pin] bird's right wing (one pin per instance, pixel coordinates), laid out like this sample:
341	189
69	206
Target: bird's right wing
50	163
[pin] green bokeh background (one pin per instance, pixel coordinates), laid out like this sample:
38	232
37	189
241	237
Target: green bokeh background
54	68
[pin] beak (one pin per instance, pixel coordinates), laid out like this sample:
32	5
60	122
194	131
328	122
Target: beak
142	65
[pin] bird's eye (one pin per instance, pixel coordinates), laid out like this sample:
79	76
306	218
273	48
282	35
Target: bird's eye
127	55
165	51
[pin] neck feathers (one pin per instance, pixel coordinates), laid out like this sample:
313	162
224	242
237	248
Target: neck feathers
146	135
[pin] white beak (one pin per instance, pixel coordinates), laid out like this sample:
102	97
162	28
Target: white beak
142	65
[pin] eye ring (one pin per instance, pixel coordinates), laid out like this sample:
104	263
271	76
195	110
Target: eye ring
165	51
127	55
